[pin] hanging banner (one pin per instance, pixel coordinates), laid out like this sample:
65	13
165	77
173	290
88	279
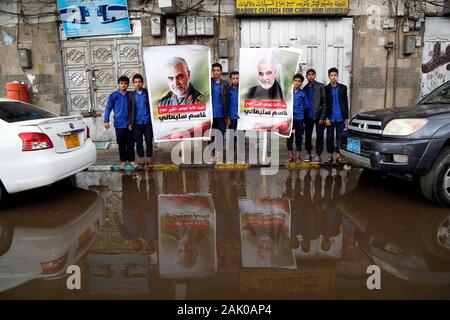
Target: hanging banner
289	7
179	84
265	233
187	236
265	89
94	18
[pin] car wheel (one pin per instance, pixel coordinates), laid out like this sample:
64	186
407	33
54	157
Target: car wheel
6	236
434	231
435	184
67	183
2	195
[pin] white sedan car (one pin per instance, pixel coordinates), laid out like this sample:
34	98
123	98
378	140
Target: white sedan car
38	148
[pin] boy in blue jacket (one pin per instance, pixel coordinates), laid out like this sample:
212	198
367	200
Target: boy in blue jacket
300	101
118	102
337	114
139	120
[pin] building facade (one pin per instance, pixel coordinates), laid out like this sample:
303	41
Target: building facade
389	53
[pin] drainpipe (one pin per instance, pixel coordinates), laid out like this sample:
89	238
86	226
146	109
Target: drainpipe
66	106
388	47
394	84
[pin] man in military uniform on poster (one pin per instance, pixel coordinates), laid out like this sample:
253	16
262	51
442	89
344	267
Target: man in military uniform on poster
181	90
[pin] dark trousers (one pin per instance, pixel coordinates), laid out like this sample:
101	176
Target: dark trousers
320	131
298	127
219	124
338	127
233	124
125	140
140	131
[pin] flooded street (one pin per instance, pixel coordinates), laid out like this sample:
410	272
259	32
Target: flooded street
225	234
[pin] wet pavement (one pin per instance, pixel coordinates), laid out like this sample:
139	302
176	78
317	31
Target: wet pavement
225	234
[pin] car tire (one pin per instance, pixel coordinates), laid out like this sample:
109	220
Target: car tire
433	230
67	183
435	184
6	236
2	195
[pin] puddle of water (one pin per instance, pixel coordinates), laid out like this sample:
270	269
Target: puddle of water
205	234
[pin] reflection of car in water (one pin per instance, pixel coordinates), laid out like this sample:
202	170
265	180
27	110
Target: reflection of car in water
111	13
75	14
405	237
40	239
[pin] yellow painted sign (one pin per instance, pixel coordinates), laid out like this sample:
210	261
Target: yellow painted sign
292	7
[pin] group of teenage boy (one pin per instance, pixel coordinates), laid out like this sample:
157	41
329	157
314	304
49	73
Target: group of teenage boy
322	107
316	105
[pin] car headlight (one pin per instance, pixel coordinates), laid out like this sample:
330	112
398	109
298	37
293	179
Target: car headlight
403	127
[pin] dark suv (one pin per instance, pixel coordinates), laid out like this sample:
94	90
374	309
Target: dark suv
412	141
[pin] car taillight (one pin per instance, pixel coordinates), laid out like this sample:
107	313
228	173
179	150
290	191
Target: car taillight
88	132
54	265
35	141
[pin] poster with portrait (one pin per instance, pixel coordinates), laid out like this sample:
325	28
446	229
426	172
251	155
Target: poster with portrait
265	89
265	233
179	83
187	236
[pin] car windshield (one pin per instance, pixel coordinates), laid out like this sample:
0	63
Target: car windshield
440	95
15	111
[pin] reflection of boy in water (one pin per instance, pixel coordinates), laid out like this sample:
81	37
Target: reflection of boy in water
329	215
304	214
139	212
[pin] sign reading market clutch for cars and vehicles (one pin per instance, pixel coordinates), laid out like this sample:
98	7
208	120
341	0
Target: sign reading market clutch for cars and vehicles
289	7
93	18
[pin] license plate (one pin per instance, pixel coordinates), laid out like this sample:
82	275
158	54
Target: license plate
72	141
354	145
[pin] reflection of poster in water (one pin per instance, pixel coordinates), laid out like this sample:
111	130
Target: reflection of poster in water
265	231
265	89
121	274
94	17
187	236
179	81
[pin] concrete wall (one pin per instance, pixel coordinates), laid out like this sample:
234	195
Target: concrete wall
45	80
228	30
369	52
369	68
